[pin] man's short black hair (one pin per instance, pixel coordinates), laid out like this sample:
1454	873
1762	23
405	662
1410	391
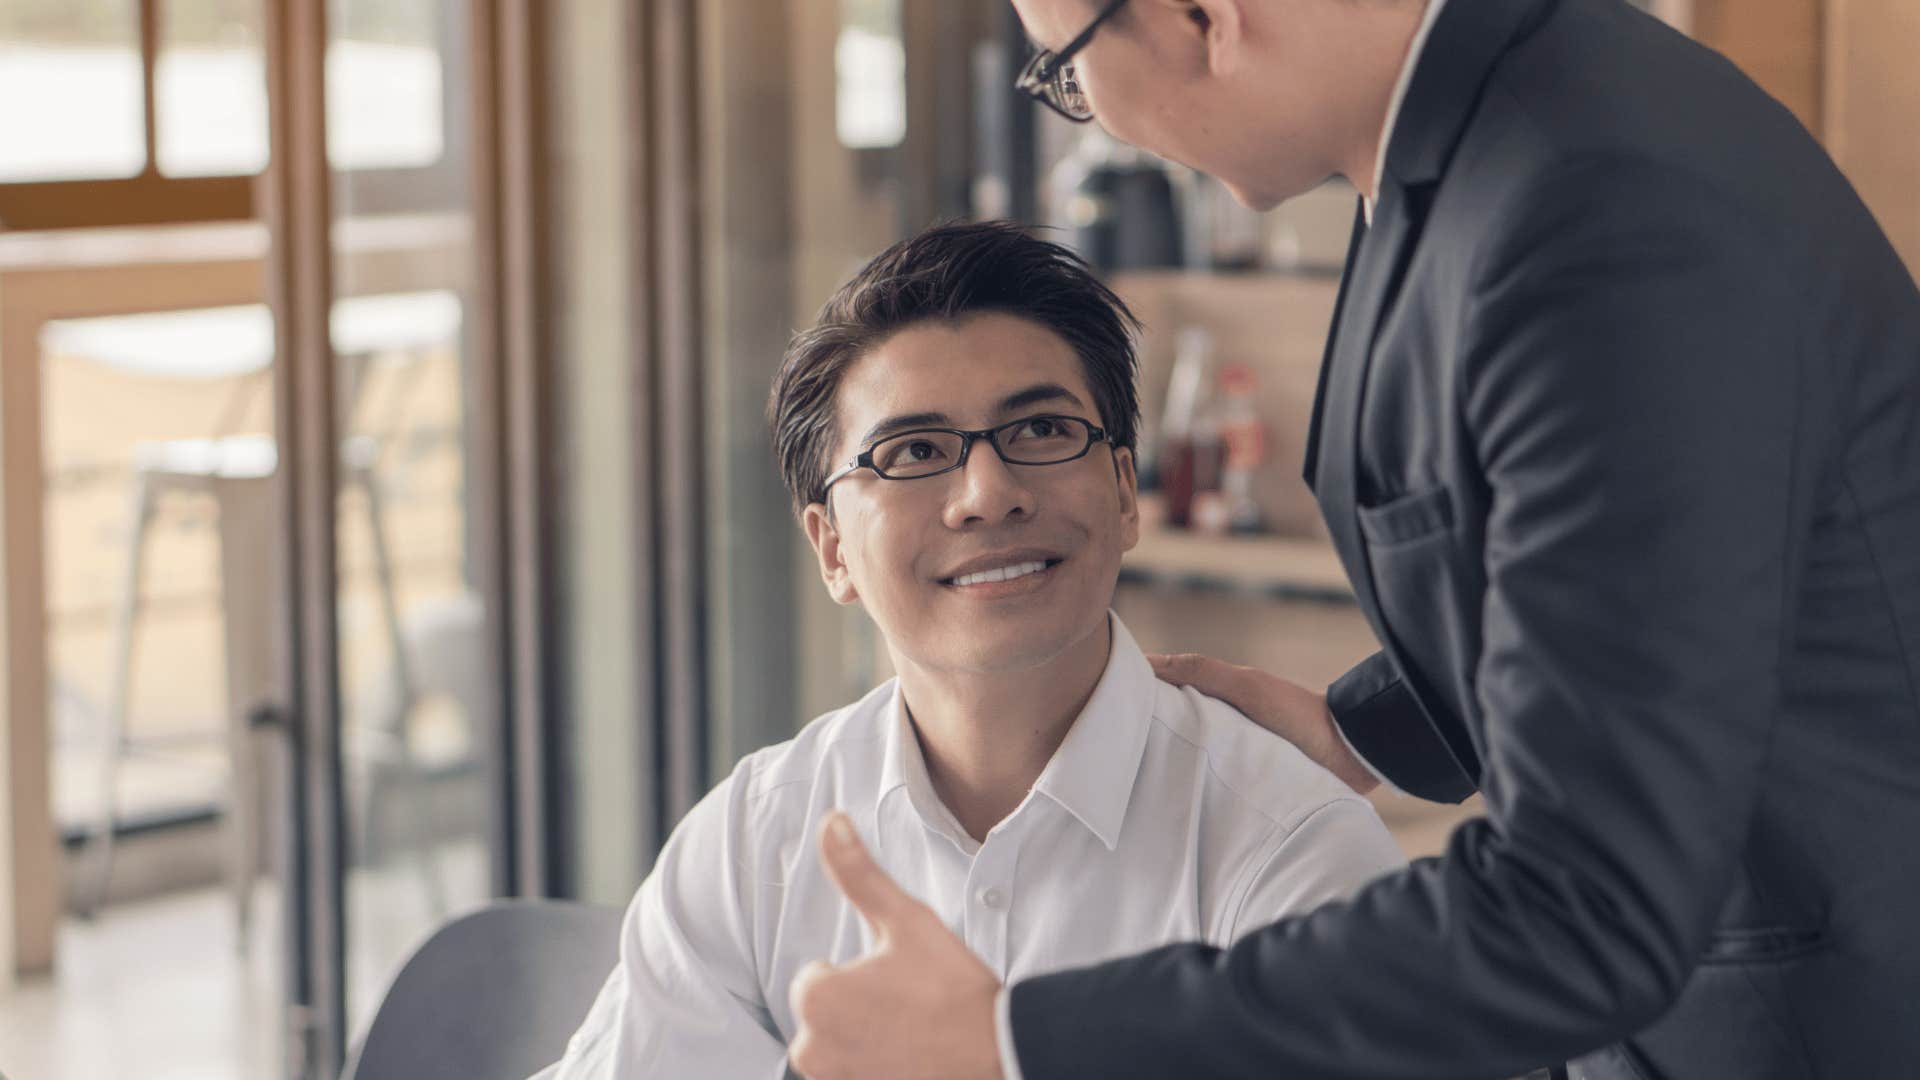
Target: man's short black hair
948	273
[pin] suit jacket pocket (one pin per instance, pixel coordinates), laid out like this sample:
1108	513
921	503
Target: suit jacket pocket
1762	945
1735	1018
1406	518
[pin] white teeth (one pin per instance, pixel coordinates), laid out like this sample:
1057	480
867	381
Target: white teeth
1003	573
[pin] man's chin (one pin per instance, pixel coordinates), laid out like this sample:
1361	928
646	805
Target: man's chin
1275	188
1019	649
1264	199
1005	656
1258	201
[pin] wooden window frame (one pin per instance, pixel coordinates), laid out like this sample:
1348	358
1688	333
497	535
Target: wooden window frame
153	198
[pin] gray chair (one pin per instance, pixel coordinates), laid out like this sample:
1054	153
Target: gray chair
494	994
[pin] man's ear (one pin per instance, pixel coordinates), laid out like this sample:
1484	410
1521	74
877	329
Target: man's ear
1128	483
825	538
1221	27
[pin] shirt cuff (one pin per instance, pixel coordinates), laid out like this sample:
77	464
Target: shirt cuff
1364	763
1003	1034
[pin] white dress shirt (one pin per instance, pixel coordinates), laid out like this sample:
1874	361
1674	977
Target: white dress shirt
1164	816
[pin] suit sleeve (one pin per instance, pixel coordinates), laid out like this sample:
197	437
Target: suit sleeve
1390	733
1631	389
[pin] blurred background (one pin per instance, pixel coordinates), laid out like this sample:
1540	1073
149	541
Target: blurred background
388	521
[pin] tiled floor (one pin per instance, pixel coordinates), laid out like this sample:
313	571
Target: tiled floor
155	990
158	990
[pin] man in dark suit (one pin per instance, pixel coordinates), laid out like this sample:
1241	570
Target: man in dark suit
1619	440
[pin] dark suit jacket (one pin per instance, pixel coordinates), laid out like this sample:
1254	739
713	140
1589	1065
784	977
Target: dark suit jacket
1619	439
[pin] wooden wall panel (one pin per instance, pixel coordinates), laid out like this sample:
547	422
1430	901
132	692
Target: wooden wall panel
1847	69
1872	101
1776	42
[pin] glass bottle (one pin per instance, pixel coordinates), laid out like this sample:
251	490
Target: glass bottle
1244	440
1190	431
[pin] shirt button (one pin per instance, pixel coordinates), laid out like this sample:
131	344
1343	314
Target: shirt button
993	898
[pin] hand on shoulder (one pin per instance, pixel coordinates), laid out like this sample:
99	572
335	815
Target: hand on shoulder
1286	708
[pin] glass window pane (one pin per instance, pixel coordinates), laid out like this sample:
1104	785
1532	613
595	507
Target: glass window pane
210	88
870	62
421	710
78	63
386	104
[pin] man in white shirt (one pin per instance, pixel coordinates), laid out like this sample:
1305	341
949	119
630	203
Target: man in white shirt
957	432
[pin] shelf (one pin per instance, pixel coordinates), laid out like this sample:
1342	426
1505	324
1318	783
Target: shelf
1259	297
1279	566
1311	274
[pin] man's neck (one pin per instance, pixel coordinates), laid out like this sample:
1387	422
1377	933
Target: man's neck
986	737
1390	30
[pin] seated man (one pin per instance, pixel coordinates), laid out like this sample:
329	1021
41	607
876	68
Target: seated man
957	432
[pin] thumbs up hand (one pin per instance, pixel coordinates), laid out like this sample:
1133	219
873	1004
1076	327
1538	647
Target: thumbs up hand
920	1005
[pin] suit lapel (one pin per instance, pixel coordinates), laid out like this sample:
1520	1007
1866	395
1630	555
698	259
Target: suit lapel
1448	79
1310	466
1382	261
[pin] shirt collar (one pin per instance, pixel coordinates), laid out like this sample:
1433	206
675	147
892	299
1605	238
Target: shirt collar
1414	50
1091	775
903	769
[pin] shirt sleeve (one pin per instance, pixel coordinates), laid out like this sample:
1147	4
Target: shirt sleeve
1328	856
685	998
1003	1036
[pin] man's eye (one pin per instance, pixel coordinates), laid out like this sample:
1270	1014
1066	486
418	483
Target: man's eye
1040	427
911	453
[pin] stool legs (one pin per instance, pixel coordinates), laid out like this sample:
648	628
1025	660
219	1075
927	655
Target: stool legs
246	559
246	601
93	893
389	601
404	698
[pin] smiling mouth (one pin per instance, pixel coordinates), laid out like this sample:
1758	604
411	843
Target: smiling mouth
1002	573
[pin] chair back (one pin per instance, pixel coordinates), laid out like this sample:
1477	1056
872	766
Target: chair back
493	995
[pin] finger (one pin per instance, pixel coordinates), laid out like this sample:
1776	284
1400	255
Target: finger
802	992
805	1058
1214	678
1175	668
807	1054
872	893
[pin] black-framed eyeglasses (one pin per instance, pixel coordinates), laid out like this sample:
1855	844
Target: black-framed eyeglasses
924	452
1048	78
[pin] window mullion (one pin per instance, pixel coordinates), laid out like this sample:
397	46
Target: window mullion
149	66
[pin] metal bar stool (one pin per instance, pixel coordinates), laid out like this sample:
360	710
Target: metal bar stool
236	473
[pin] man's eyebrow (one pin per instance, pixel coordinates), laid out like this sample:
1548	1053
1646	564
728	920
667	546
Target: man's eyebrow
903	423
1034	395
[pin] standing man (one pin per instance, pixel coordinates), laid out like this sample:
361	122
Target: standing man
1618	438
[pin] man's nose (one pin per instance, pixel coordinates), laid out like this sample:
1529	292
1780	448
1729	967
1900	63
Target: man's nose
987	490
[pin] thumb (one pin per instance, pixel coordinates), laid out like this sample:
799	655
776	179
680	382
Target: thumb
872	893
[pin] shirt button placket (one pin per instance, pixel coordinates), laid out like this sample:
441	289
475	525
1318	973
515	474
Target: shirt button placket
990	898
